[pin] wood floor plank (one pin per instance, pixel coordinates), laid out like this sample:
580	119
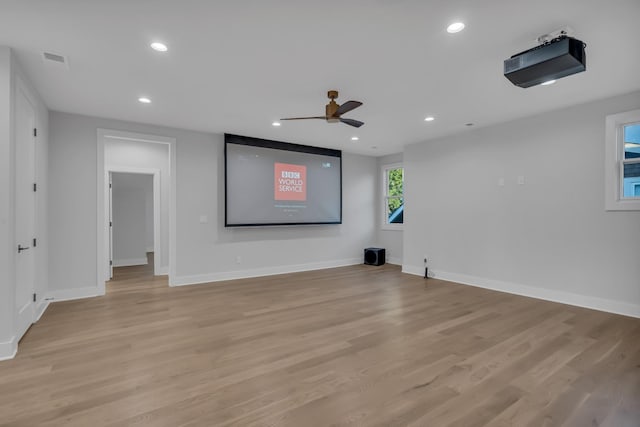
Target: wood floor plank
351	346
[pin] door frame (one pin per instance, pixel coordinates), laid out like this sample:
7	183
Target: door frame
157	233
109	218
102	195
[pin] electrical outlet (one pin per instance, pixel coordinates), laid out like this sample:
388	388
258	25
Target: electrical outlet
238	259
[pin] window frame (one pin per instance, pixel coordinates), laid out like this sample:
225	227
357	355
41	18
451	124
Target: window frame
385	195
615	161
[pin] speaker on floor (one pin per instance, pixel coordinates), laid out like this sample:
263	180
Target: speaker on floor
374	256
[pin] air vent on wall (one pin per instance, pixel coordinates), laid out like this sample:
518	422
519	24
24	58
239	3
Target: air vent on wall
55	60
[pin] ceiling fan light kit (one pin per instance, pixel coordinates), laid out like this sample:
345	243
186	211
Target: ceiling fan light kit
334	111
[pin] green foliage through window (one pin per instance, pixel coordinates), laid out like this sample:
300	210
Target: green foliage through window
394	195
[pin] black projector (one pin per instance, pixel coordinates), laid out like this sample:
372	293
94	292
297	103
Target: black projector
558	58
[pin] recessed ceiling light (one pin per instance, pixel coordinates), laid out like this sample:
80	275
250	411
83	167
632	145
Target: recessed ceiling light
144	100
429	119
160	47
468	124
374	147
548	82
354	138
456	27
276	124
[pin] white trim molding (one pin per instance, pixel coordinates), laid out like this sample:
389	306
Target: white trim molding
595	303
394	261
258	272
8	349
72	294
42	306
157	217
102	183
130	262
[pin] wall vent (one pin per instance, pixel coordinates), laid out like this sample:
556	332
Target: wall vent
55	59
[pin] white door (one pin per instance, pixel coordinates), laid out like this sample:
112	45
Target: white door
25	211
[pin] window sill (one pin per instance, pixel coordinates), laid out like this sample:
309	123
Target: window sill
623	205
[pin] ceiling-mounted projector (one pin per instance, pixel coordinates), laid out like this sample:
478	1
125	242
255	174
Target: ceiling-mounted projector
552	60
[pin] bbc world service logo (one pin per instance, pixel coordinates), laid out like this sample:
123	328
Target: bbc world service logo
290	182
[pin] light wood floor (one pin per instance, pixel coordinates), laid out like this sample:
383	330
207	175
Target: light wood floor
352	346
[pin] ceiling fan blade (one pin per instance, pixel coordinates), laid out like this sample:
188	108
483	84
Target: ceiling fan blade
305	118
346	107
351	122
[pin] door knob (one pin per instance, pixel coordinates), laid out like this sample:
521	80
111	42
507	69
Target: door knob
22	248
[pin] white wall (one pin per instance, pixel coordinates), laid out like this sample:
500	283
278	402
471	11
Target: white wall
550	237
7	268
10	73
119	153
129	208
270	249
204	251
391	240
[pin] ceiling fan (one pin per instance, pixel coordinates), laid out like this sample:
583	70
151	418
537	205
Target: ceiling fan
334	111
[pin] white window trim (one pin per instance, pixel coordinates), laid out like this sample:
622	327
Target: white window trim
614	156
383	173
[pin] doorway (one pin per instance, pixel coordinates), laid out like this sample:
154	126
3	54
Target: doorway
134	221
142	154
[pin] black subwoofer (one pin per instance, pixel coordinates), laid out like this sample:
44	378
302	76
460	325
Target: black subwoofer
374	256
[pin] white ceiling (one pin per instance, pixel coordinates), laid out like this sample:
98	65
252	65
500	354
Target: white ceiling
237	65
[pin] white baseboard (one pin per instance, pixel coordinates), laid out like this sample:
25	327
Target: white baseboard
162	271
71	294
41	308
595	303
8	349
416	271
394	261
23	320
130	262
257	272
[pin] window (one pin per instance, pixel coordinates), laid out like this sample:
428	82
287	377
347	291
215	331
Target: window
393	195
631	160
623	161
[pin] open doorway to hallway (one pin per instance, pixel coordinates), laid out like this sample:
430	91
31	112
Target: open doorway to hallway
128	153
135	278
132	222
